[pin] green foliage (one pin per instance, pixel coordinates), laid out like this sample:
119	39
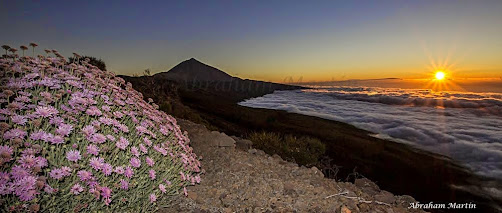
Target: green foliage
304	150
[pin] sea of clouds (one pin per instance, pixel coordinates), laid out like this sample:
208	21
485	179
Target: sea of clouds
462	125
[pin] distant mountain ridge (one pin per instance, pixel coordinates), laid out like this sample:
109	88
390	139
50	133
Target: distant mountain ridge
194	77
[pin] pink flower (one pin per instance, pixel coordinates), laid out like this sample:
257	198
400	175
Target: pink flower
41	162
106	108
28	195
98	138
153	198
27	161
182	175
106	192
160	149
14	133
84	175
143	148
92	149
124	184
185	191
107	169
147	141
56	139
18	172
64	129
122	143
118	114
73	155
93	111
107	201
128	172
45	111
150	161
135	151
76	189
48	189
152	174
19	119
88	130
162	188
56	174
66	170
119	170
135	162
96	163
6	151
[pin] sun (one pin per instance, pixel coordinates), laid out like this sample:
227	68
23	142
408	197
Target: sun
440	75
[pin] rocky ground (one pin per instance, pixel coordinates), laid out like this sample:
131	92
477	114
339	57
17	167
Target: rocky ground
238	178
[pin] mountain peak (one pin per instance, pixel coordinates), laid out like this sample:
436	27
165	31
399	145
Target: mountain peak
194	70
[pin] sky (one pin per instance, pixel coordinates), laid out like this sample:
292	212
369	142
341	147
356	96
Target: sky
270	40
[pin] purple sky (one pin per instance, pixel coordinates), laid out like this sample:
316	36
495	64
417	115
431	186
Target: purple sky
269	40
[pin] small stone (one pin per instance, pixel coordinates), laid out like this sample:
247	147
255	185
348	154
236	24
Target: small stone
289	189
223	195
344	209
252	151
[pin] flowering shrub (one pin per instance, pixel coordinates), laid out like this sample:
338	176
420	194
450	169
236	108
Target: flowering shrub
76	138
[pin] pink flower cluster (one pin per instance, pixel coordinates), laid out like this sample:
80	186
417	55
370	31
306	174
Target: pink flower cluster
72	129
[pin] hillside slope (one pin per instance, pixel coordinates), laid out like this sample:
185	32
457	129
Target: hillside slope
248	180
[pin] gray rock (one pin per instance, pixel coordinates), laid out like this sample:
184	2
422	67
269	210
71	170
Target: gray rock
252	151
243	144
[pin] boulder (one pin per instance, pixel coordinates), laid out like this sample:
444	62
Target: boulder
367	186
220	139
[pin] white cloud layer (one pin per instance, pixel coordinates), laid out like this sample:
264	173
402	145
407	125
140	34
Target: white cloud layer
464	126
